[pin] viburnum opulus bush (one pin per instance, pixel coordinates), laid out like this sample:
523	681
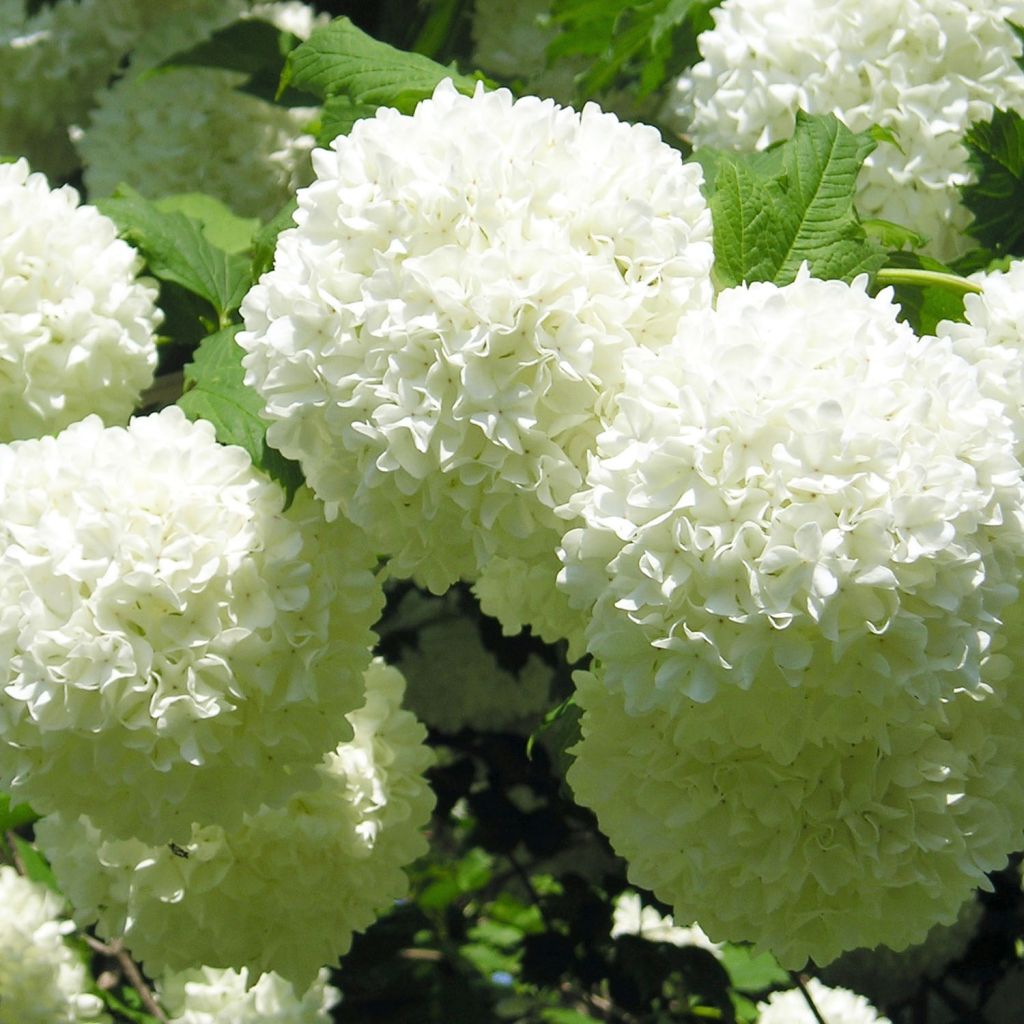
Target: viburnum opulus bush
647	438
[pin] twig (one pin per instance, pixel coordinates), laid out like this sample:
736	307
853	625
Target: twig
807	996
19	864
131	971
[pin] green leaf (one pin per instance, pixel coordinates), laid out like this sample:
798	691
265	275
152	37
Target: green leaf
14	815
750	973
628	44
340	59
793	204
338	115
557	1015
176	249
36	867
215	390
996	156
892	236
248	45
221	226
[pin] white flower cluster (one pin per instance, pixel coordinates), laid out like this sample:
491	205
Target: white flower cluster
631	916
800	533
42	980
285	890
175	648
805	822
921	69
76	323
798	489
835	1005
208	995
184	129
454	682
442	328
993	338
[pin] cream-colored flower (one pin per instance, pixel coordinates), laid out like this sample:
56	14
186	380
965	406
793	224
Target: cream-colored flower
208	995
77	324
923	70
175	646
42	980
800	490
285	890
444	325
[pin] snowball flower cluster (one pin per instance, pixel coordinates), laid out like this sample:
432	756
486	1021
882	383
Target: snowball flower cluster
797	489
76	323
454	681
207	995
800	550
285	890
923	70
175	647
42	981
443	327
836	1006
631	916
806	822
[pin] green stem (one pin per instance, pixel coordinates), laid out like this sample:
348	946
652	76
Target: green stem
926	278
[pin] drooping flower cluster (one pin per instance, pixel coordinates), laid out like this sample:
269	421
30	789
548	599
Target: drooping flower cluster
835	1005
923	70
801	532
176	648
285	890
42	980
184	129
76	322
440	330
207	995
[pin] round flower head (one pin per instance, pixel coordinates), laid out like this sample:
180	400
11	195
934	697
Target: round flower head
924	70
76	324
173	646
806	822
835	1005
887	977
286	890
454	681
798	490
42	981
207	995
443	325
